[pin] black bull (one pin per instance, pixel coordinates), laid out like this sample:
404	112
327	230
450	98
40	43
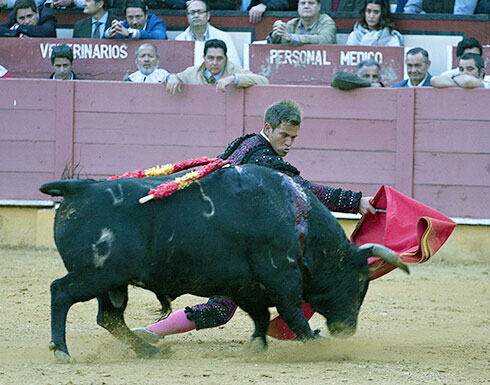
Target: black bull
249	233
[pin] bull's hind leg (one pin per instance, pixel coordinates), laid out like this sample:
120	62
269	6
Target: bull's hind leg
111	318
261	316
72	288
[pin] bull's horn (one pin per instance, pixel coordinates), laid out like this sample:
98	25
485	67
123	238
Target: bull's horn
386	254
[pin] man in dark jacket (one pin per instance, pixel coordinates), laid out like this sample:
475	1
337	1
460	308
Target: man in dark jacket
27	20
139	24
99	21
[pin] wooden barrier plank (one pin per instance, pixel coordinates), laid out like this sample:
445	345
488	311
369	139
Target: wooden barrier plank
106	160
64	127
345	166
24	94
457	201
24	185
121	97
326	103
453	136
26	156
29	124
431	105
452	169
405	142
151	128
350	134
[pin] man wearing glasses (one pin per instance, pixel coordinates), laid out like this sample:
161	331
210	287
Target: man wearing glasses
200	31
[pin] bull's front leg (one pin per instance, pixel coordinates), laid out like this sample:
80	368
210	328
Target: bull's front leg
285	291
111	317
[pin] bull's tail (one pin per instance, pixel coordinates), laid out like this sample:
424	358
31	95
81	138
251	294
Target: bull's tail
64	187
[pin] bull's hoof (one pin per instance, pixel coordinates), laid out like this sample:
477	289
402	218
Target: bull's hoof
316	334
150	352
256	345
63	357
146	335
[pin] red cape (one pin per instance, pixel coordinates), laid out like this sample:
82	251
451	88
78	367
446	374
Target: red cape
410	228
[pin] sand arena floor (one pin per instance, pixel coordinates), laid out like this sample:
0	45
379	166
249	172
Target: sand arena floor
432	327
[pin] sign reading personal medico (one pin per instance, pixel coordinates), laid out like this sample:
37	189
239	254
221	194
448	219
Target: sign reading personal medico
100	59
317	64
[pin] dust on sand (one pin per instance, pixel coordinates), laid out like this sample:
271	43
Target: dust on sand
432	327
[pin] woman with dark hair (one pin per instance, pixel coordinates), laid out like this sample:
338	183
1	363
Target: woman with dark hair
375	26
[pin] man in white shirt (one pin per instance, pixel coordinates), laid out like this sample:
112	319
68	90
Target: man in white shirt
418	64
471	74
147	61
200	31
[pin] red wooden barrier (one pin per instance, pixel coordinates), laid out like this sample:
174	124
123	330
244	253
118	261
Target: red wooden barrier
428	143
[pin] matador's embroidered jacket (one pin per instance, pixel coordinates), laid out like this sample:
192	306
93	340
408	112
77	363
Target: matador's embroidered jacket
255	149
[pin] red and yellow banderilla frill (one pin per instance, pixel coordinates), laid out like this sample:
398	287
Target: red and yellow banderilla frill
168	188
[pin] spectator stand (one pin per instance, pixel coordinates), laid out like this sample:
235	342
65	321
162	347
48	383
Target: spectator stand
93	59
434	32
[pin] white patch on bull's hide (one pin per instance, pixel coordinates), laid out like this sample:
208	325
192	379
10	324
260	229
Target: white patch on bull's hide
106	237
296	186
118	196
272	260
207	199
239	169
171	238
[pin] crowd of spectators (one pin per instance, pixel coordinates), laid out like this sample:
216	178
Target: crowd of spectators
375	26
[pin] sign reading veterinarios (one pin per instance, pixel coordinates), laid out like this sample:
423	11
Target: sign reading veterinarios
93	59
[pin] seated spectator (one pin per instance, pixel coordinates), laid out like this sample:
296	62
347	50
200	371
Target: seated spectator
66	3
99	21
368	75
200	31
375	26
370	70
418	64
62	62
471	74
467	45
255	8
216	69
147	61
346	81
138	24
310	27
4	73
28	20
457	7
9	4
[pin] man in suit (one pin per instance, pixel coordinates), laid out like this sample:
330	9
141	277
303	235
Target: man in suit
139	24
418	64
27	19
99	21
